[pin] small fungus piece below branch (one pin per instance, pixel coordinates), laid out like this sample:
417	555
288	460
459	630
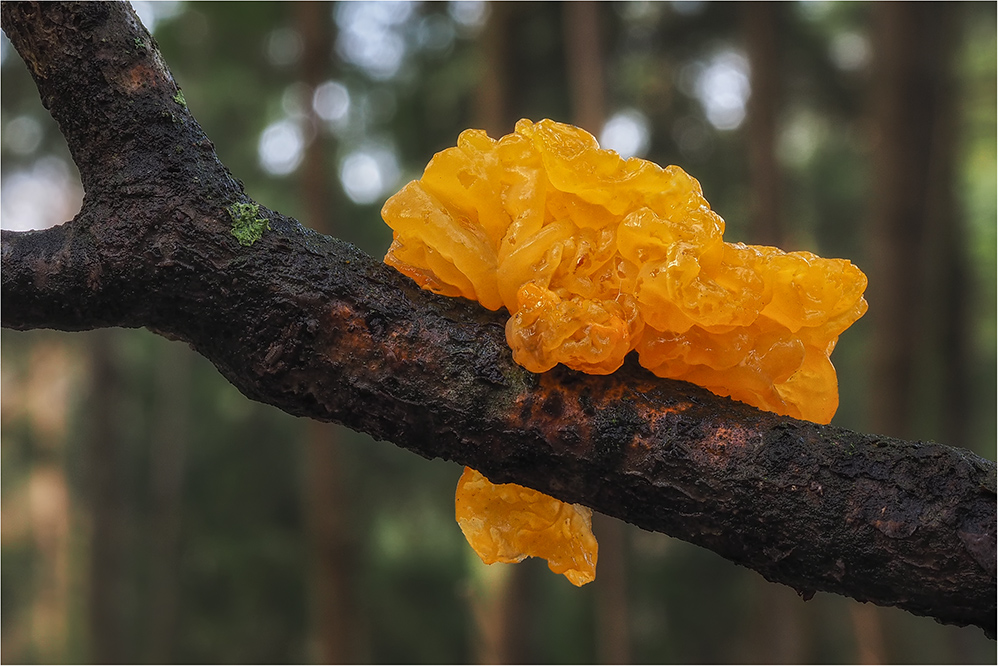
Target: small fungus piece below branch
506	522
594	257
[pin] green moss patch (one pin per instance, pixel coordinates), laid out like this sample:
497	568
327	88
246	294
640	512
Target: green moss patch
247	227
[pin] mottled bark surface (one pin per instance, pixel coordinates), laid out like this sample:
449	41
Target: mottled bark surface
317	328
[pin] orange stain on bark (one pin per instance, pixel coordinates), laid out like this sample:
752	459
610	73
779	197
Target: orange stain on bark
140	76
722	446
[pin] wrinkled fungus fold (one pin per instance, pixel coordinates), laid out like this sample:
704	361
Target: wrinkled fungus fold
506	522
595	256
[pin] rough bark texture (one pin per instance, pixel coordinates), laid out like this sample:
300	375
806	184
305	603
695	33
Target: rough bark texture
319	329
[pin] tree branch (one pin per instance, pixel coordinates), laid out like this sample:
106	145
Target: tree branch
317	328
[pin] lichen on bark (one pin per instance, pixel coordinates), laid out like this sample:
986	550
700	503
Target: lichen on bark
247	227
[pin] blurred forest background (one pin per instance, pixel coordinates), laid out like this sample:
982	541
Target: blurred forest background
151	513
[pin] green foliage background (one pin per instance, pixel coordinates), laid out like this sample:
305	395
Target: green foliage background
243	581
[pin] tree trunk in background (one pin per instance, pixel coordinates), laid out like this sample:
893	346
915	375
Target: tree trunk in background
334	612
613	639
912	205
37	511
777	632
48	499
946	309
776	629
584	54
102	465
492	112
584	61
761	30
868	632
333	603
501	601
168	451
917	287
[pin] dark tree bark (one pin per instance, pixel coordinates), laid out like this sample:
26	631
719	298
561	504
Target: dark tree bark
315	327
335	613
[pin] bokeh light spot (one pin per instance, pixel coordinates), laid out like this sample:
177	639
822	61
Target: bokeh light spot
850	51
627	133
331	102
722	86
22	135
370	35
470	15
280	148
43	196
284	47
369	173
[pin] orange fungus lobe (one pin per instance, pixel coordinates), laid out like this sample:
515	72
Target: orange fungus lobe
506	523
594	256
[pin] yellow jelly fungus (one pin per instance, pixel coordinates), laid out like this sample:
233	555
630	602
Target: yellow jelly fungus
594	256
506	523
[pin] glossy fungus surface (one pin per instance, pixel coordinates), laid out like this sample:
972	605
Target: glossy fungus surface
507	522
594	256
